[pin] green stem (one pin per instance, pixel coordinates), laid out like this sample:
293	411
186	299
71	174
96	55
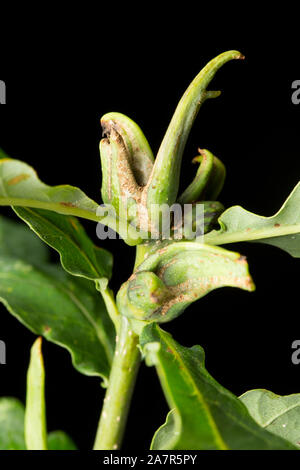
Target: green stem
123	373
119	392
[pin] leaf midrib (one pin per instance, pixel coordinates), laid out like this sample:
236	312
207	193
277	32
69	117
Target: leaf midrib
77	246
268	423
200	397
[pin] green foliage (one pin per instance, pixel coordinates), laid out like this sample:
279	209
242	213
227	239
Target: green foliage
21	187
64	309
280	415
79	255
281	230
205	416
25	429
12	415
59	440
11	424
17	241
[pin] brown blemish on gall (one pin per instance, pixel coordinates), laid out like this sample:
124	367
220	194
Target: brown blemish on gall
162	250
276	225
154	298
17	179
67	204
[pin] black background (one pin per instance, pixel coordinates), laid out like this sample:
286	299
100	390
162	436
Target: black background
56	94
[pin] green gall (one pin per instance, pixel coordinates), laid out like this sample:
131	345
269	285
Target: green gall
136	185
177	274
